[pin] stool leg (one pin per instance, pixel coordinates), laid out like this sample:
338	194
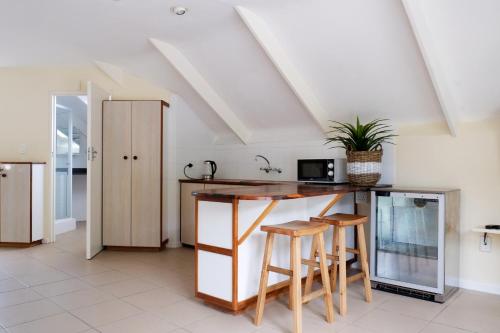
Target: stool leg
335	243
261	298
297	285
363	257
325	278
290	287
310	269
342	271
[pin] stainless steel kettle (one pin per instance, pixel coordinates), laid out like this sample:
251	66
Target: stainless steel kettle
211	169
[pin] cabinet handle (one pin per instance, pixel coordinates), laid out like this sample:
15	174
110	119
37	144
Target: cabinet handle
135	157
4	175
125	157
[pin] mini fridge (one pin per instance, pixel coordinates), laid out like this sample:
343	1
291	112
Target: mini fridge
415	241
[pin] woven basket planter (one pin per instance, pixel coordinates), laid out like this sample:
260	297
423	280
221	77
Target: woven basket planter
364	167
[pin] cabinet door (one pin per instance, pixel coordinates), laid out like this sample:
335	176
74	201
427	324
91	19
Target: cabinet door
15	204
146	173
187	211
117	170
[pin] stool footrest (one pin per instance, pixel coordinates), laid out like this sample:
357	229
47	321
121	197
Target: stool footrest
279	270
355	277
310	262
332	257
313	295
351	250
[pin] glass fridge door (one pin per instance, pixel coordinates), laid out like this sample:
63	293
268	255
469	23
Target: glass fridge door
409	240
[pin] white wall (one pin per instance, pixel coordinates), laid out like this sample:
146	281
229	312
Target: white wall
238	161
25	94
427	157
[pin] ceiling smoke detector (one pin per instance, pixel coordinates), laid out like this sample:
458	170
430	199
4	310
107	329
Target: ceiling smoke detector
178	10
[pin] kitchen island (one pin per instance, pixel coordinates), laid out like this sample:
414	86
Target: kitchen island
229	245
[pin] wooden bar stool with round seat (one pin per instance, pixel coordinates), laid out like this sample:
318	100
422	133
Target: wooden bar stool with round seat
295	230
338	257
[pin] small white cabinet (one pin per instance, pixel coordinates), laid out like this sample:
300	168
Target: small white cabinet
21	203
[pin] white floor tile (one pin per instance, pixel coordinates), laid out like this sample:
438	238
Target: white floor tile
229	322
381	321
18	297
81	298
144	322
473	311
186	312
18	314
128	287
413	307
10	284
154	299
103	278
61	323
105	313
439	328
44	276
61	287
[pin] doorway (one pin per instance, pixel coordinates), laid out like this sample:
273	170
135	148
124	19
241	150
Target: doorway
70	171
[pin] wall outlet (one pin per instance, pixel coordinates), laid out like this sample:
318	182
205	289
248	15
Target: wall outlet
362	197
485	243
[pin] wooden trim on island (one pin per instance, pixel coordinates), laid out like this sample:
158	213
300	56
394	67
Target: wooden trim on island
259	219
332	203
215	249
235	254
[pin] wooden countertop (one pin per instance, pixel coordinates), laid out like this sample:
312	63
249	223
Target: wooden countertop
279	191
22	162
242	182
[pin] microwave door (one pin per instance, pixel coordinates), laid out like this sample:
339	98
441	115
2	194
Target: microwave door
312	170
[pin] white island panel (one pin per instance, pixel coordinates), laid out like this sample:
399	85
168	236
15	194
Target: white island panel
215	223
216	272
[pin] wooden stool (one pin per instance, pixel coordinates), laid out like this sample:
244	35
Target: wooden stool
339	249
295	230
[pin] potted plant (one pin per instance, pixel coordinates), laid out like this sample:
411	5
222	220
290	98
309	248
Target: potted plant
363	145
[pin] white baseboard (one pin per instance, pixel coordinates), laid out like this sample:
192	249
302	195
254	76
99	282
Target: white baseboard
64	225
489	288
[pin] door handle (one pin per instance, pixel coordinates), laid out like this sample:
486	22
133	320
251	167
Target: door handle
135	157
91	153
4	175
125	157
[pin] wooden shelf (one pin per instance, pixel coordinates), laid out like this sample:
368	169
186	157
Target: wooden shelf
483	230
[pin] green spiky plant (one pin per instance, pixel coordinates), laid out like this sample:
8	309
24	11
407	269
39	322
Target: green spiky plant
360	137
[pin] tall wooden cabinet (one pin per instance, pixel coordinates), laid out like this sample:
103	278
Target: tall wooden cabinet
21	203
132	173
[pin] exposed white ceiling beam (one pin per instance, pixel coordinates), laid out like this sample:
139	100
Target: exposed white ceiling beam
286	68
114	72
203	88
431	60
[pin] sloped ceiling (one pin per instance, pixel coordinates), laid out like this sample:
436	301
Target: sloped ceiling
360	57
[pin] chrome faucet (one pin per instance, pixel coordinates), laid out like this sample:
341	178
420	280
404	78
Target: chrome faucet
267	168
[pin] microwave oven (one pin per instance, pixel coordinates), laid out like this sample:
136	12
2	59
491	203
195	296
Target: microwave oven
322	170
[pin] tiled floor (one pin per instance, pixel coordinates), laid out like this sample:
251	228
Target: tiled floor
51	288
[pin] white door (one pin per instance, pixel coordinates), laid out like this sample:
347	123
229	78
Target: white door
95	96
